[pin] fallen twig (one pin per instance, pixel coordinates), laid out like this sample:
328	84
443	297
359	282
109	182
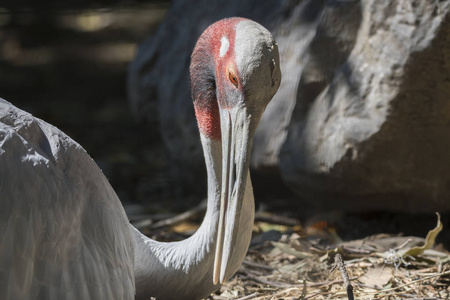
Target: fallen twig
275	219
249	296
264	281
139	225
339	263
256	265
304	291
313	295
317	284
199	209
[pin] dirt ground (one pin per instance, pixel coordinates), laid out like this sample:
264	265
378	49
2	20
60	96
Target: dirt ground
68	66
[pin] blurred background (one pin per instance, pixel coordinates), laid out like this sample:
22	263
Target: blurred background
66	63
353	79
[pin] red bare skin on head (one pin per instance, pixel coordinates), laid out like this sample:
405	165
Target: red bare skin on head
210	74
208	119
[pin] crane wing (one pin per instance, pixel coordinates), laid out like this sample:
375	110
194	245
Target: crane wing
63	232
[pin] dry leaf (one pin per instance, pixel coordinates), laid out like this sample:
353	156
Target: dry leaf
377	277
429	240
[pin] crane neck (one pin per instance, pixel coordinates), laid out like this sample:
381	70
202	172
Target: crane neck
177	267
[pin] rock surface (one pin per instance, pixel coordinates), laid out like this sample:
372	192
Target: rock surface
362	117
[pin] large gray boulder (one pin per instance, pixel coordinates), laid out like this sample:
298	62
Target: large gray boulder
362	117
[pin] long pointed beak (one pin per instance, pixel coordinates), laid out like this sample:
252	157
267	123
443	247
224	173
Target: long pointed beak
237	135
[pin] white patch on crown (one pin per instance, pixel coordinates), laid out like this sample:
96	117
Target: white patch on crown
256	57
225	44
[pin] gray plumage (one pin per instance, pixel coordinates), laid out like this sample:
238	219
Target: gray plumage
57	212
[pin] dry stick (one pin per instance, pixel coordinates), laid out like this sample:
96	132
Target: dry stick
439	270
403	245
256	265
264	281
351	250
275	219
249	296
339	263
315	284
143	223
304	291
181	217
313	295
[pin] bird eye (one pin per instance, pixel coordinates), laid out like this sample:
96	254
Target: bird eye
233	79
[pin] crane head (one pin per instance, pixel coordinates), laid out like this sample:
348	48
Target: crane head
235	72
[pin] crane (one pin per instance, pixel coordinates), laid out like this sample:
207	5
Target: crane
63	231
